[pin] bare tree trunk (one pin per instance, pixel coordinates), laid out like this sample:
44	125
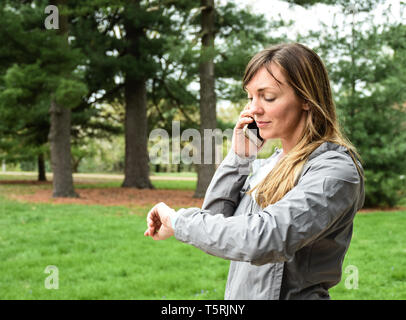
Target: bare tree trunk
59	138
75	164
208	120
41	168
136	170
136	152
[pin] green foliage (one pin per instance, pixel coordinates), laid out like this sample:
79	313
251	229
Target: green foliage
384	187
100	155
367	67
35	65
69	93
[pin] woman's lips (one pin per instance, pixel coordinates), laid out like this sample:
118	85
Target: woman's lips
262	124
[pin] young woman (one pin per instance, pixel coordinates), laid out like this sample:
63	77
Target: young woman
286	227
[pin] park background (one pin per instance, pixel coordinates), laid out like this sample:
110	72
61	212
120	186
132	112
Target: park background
88	93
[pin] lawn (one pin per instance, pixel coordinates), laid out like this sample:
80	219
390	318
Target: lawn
101	253
378	251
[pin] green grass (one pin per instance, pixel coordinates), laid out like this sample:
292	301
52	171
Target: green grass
158	184
16	177
378	251
175	174
33	175
101	253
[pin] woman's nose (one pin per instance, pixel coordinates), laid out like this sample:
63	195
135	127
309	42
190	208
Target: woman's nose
255	107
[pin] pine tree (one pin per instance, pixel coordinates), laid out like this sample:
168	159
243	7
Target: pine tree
123	41
366	63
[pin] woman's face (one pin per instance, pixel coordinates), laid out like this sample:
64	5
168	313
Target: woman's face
277	104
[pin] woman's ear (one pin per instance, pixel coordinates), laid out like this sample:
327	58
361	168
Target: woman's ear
306	105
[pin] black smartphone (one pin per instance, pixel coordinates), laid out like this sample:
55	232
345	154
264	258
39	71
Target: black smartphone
249	131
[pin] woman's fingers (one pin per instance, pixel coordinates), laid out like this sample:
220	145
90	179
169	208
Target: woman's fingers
240	143
246	113
152	216
147	233
157	222
243	121
245	117
150	223
153	222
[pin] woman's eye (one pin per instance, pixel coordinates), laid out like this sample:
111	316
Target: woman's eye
250	99
269	99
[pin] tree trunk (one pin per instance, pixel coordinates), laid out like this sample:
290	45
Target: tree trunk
136	167
41	168
75	164
59	133
59	138
208	120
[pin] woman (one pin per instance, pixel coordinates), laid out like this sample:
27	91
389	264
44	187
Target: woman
287	236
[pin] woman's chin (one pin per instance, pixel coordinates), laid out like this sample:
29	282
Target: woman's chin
268	135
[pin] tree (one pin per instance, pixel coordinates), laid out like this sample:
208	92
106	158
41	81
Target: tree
123	41
207	95
220	66
41	75
367	67
60	111
23	129
241	33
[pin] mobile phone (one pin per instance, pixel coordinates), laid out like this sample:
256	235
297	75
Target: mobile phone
249	131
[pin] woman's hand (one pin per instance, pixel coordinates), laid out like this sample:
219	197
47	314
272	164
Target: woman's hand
240	143
159	223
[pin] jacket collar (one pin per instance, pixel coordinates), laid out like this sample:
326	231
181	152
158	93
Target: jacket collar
328	146
324	147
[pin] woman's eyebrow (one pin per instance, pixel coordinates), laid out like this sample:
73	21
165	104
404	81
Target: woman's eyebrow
274	89
268	88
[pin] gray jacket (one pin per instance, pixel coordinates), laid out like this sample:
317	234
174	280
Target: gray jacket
292	249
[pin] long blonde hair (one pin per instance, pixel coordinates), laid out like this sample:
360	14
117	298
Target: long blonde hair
307	75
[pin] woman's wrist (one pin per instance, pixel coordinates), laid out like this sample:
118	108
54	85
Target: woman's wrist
174	216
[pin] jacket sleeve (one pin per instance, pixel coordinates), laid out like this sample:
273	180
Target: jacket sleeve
222	194
325	192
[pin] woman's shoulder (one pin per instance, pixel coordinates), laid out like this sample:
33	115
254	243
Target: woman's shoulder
334	163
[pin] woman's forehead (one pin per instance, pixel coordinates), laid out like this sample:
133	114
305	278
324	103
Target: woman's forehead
263	80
